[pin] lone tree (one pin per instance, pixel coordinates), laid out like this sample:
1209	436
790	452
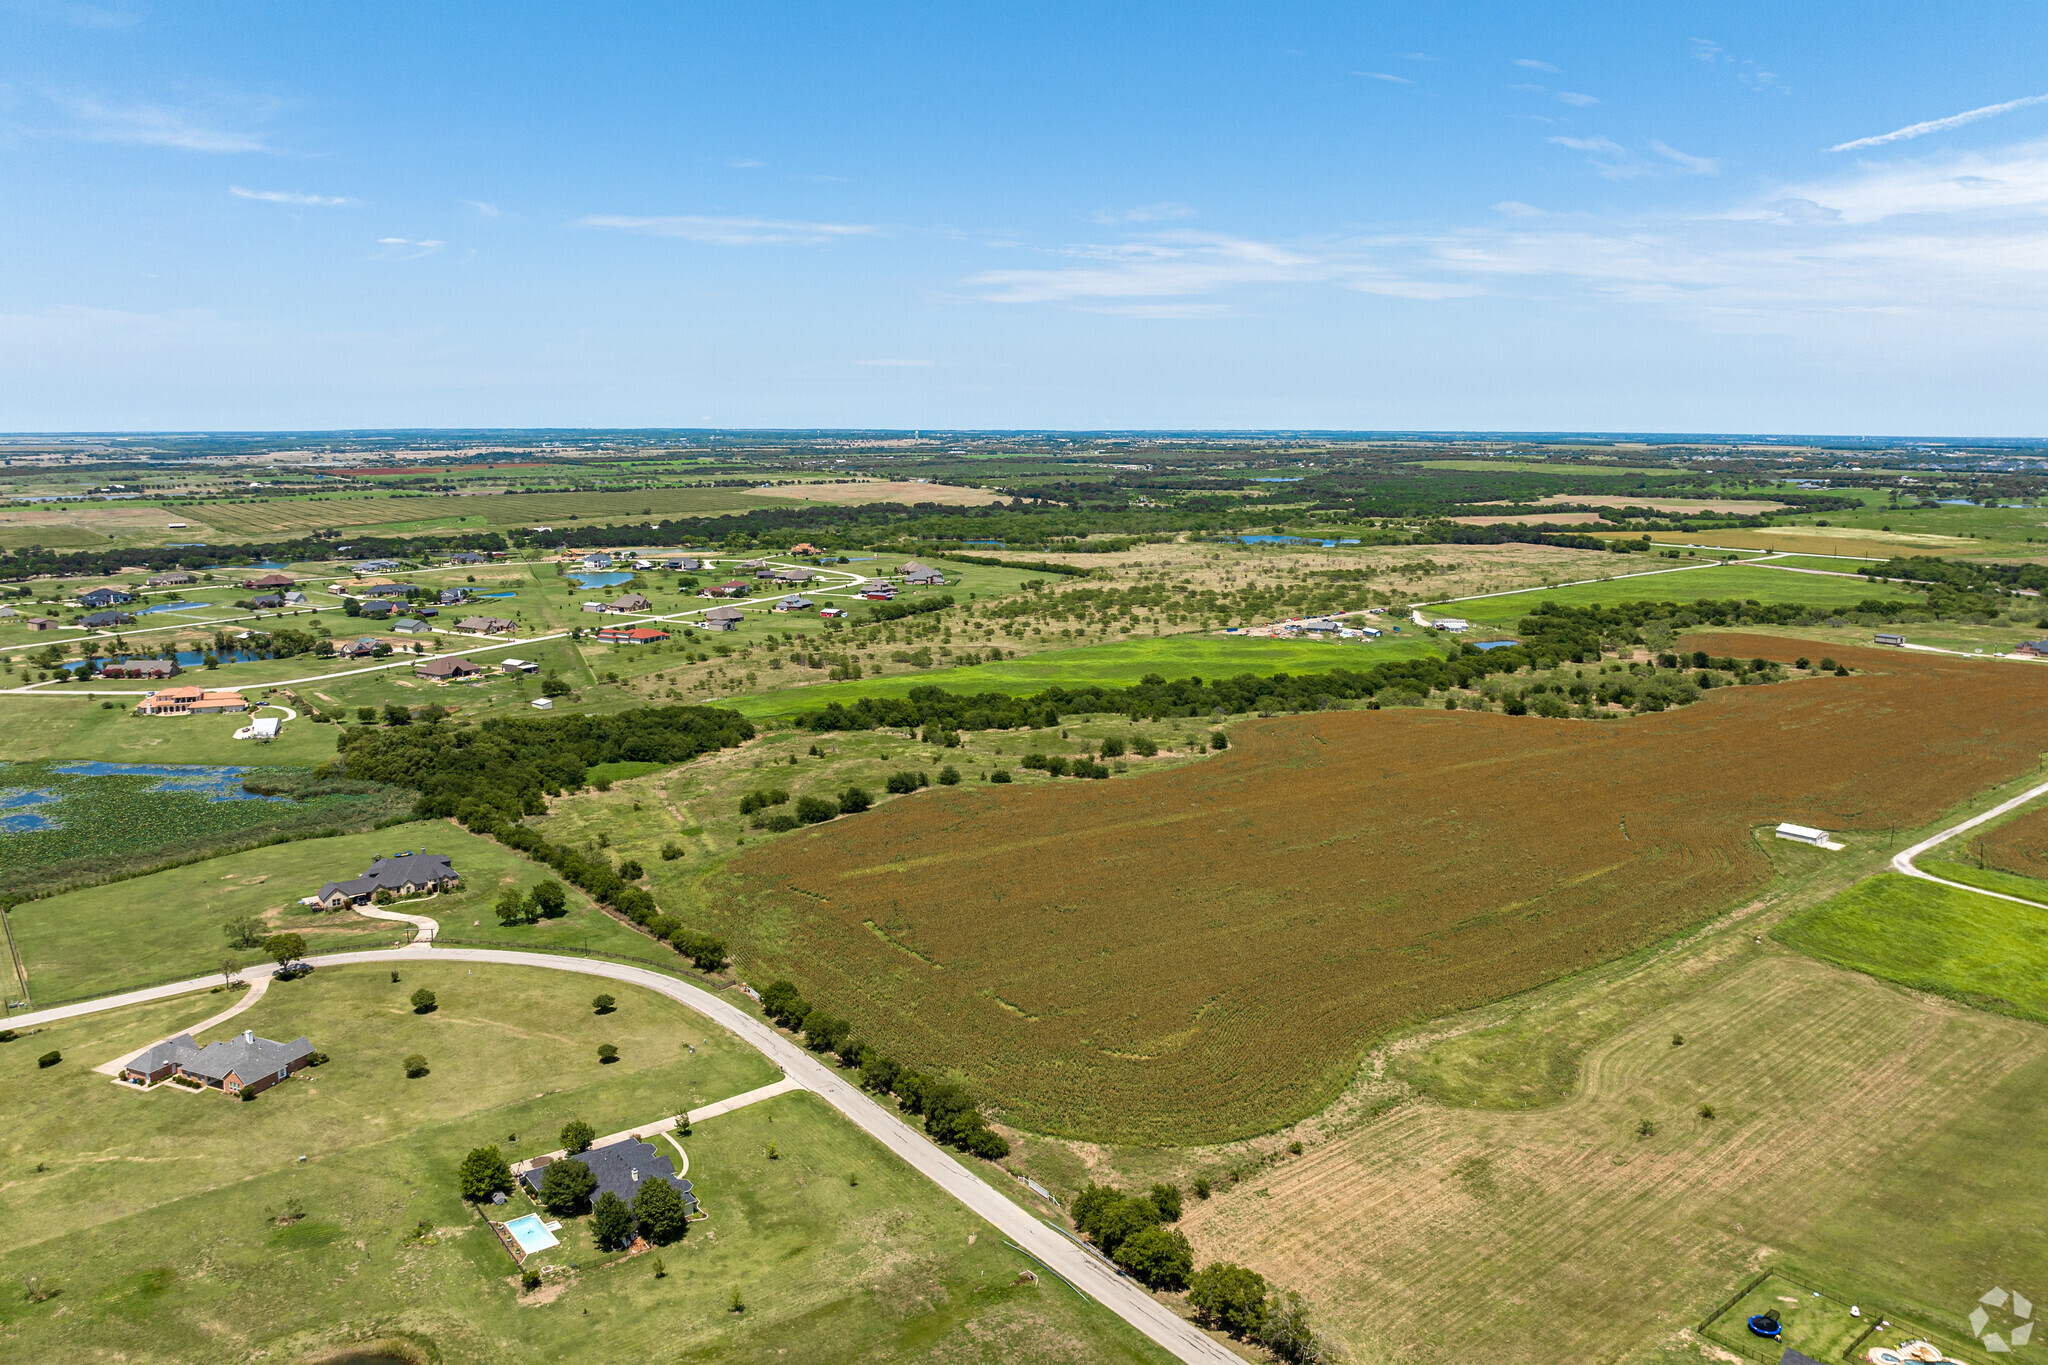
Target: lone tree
607	1054
577	1136
604	1004
244	931
512	908
423	1001
660	1211
566	1184
285	949
416	1065
484	1173
611	1221
228	967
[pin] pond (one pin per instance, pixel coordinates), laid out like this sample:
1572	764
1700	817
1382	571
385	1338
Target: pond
174	606
1293	540
187	658
215	784
1495	644
17	809
599	580
492	596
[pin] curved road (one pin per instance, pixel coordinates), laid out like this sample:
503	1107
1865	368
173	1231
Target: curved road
1082	1268
1903	862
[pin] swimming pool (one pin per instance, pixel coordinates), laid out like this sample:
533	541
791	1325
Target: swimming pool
531	1234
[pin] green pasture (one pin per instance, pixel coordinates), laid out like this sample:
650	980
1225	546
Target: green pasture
71	725
1988	879
1825	563
167	926
1984	952
155	1215
1121	664
1716	581
1535	467
1814	1321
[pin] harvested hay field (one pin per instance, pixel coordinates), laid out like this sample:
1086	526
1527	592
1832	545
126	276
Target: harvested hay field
1204	953
2020	845
1872	1143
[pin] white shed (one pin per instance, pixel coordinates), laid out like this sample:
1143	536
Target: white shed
1817	837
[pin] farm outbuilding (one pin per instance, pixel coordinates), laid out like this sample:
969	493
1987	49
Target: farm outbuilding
1804	834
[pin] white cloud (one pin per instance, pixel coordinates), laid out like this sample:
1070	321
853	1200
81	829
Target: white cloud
1704	49
1696	165
406	249
899	364
1165	211
1939	125
1170	265
1515	208
483	207
291	197
143	124
2012	180
1384	76
1589	144
1535	65
730	231
1574	97
742	163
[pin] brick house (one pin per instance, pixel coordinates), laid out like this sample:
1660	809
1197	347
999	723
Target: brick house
446	670
190	701
409	874
271	580
242	1065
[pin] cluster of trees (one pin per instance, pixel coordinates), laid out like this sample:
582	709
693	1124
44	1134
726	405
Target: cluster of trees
1240	1302
1554	633
949	1112
896	611
1059	765
546	900
1134	1231
935	708
35	559
501	769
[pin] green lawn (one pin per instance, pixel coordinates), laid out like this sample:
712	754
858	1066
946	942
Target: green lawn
154	1214
1988	879
1984	952
167	926
1719	582
77	726
1109	665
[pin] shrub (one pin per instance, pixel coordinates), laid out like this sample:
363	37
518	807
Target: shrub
529	1280
778	824
1218	740
1202	1187
1230	1297
1000	775
423	1001
50	1058
949	776
603	1004
631	871
761	800
1111	747
607	1054
577	1135
415	1066
816	810
671	850
901	783
1159	1257
854	800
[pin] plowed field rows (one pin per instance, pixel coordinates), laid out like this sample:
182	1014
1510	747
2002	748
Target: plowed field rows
1205	952
2020	845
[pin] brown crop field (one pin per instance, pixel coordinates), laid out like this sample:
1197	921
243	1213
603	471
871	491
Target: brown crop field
1206	952
2019	845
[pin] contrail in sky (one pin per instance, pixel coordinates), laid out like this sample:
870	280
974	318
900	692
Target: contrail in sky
1939	125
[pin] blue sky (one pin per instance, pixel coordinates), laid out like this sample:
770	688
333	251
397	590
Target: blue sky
1510	216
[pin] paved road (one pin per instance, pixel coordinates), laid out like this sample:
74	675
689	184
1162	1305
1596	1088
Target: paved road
1081	1268
1903	862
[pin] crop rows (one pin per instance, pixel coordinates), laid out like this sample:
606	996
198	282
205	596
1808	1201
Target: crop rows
2020	845
1206	952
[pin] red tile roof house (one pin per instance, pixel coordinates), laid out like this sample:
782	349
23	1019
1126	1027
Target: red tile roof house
190	701
638	635
242	1065
733	589
271	580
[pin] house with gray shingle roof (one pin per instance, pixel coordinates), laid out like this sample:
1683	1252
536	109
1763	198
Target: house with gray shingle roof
620	1168
409	874
241	1065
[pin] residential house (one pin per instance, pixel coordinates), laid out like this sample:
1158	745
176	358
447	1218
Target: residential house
8	613
723	618
636	635
620	1168
632	601
361	648
685	564
906	570
270	580
139	668
467	557
383	588
925	578
446	670
879	592
795	576
767	571
454	596
409	874
176	578
599	561
102	597
241	1065
272	600
518	665
99	620
190	701
805	548
832	613
485	625
409	627
2032	649
295	599
794	603
375	611
375	566
736	588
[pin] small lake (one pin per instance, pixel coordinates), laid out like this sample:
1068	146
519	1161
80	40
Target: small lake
1495	644
1294	540
491	596
215	784
174	606
187	658
18	813
599	580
